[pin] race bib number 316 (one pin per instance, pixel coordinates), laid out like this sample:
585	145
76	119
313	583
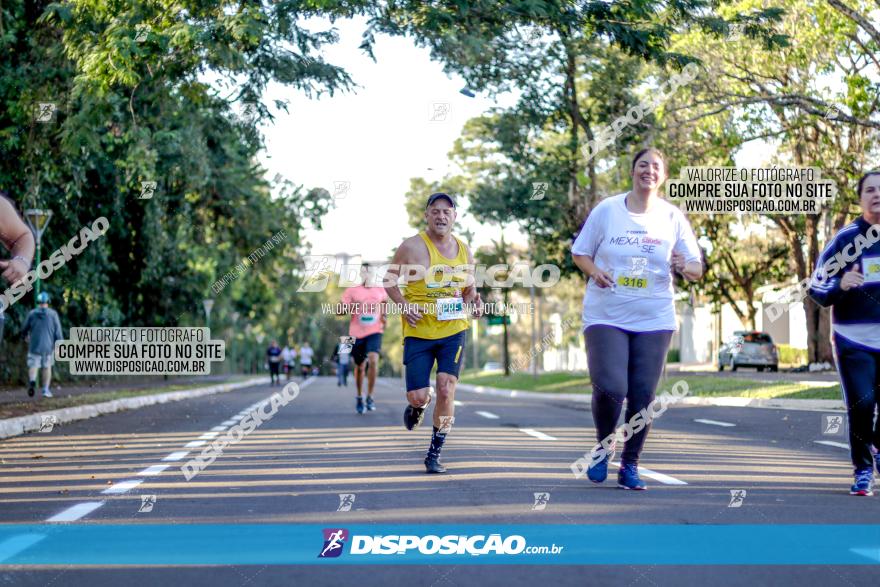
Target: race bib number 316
634	284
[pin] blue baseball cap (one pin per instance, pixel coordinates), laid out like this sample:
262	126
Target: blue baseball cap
434	197
43	298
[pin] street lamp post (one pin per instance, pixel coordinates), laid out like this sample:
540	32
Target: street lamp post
37	219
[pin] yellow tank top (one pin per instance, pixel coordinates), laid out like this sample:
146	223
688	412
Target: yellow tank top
439	295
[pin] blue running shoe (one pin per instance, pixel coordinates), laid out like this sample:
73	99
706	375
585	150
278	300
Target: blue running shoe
628	477
597	472
360	405
877	462
371	405
864	483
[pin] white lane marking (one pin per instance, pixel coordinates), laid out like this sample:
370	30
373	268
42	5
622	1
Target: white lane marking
123	486
15	544
665	479
218	428
832	443
153	470
714	422
458	403
537	434
489	415
194	444
229	422
176	456
209	435
76	512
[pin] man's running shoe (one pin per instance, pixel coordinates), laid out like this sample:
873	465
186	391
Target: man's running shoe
31	389
412	417
371	405
598	472
360	405
628	477
47	393
434	465
864	483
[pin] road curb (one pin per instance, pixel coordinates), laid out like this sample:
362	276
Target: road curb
810	405
31	423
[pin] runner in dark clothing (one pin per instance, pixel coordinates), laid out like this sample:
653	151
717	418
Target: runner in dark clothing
273	355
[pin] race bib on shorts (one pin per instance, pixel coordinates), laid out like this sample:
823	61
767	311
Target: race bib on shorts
450	309
871	269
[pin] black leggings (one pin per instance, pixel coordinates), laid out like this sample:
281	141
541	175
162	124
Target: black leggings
859	370
624	365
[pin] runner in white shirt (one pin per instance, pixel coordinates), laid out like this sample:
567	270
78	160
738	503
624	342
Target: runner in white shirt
628	248
305	359
286	360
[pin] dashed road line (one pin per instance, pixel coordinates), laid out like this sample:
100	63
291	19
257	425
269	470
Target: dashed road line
665	479
537	434
488	415
76	512
714	422
153	470
122	486
832	443
176	456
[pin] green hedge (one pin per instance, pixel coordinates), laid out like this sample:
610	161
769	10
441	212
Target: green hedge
673	356
792	356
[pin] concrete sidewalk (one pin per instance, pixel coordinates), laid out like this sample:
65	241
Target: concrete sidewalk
41	420
18	393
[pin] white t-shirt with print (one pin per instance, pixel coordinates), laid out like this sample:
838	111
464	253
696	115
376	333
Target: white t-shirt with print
305	355
636	249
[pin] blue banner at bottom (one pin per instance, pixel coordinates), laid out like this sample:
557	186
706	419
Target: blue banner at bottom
294	544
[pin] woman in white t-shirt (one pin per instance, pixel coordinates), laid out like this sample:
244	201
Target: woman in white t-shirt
628	248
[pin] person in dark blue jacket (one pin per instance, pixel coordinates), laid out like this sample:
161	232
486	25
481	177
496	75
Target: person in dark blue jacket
847	278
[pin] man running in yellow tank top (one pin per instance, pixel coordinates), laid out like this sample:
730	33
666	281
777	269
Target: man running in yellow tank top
437	269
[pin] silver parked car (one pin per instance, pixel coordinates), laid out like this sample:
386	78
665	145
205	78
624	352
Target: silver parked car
748	349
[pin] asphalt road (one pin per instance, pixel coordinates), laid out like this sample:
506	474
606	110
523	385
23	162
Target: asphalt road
293	468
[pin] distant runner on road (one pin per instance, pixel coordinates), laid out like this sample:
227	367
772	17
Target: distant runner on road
306	354
434	318
42	328
366	304
273	356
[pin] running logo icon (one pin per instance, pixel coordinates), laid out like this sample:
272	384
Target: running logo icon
539	190
334	541
440	111
737	496
47	423
541	501
341	189
639	264
147	503
44	111
346	343
148	188
346	500
832	425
